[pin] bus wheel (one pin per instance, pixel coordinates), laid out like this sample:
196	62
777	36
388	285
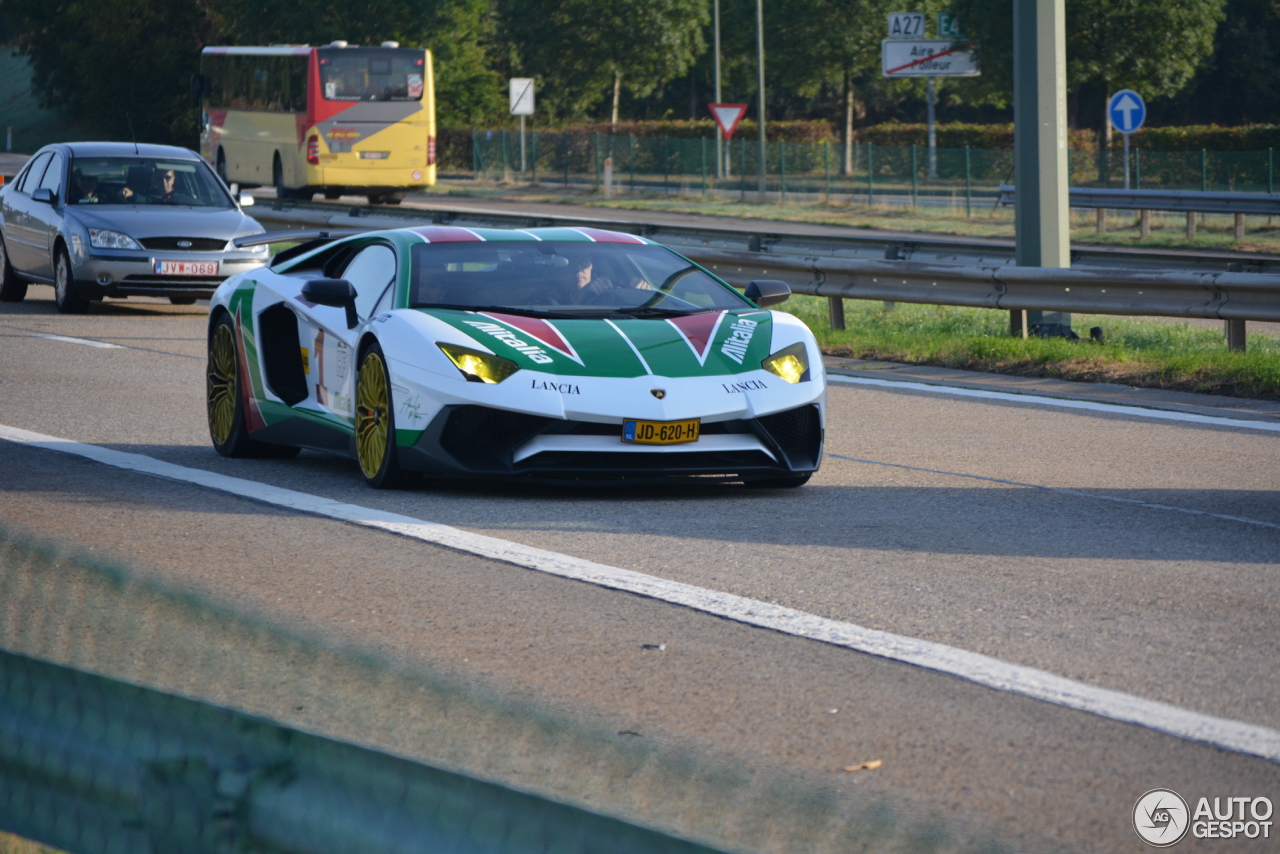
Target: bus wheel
331	195
283	192
222	165
386	199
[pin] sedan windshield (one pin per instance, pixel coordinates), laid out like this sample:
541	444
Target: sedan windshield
564	279
144	181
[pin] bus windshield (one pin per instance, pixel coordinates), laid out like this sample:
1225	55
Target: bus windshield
144	181
371	74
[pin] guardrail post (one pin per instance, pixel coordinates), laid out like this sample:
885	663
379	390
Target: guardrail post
1102	220
1191	225
1018	323
1235	333
1239	228
1144	224
835	307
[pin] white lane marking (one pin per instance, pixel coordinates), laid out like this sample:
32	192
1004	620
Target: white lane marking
1031	682
85	341
1149	504
1114	408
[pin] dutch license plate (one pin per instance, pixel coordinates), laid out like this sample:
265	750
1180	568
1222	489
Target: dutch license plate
186	268
661	432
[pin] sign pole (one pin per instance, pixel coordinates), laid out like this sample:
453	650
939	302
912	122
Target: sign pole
522	157
930	96
1041	212
760	63
720	170
1126	161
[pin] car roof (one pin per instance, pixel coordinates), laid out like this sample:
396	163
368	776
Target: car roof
457	234
126	149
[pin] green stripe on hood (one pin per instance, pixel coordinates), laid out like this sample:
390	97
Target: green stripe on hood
615	348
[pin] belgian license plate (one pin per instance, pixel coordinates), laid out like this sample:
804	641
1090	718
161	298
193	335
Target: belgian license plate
661	432
374	155
186	268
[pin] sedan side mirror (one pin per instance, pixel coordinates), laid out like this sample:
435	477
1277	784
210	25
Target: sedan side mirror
336	293
767	292
246	200
43	194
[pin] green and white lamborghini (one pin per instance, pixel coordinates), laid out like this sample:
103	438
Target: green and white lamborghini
550	354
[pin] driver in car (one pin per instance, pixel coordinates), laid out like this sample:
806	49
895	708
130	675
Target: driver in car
163	182
584	285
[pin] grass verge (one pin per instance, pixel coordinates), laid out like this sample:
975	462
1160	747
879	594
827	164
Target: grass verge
1140	353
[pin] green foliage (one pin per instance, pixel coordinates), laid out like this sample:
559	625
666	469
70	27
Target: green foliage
1151	46
791	131
958	135
1211	137
576	48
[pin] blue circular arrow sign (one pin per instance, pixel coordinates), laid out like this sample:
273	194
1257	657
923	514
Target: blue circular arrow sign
1126	110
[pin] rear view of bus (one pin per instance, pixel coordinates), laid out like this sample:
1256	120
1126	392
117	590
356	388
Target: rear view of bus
335	119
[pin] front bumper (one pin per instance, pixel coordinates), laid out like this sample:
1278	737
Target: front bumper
477	441
122	274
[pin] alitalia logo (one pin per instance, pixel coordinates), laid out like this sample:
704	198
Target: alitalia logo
735	346
506	336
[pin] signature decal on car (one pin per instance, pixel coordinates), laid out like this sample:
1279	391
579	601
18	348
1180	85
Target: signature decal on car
735	346
506	336
563	388
744	386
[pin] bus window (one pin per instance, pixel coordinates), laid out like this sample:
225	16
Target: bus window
374	74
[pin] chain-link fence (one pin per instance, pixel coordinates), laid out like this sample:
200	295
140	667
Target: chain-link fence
138	717
868	173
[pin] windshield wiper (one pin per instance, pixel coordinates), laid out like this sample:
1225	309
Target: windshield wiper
653	311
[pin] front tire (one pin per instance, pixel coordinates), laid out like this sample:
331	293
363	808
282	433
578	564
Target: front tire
65	295
375	424
182	300
12	289
225	402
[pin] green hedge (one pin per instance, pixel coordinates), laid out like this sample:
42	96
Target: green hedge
958	135
791	131
1190	138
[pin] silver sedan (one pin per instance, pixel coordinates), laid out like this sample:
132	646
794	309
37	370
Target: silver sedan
110	219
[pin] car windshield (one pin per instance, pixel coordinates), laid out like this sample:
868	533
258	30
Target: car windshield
144	181
372	74
564	279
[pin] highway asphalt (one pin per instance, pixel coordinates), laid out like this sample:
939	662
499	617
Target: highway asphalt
1124	551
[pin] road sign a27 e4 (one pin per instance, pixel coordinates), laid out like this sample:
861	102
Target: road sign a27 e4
1126	110
906	25
728	116
522	96
927	58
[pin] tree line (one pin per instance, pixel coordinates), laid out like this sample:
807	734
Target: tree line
122	66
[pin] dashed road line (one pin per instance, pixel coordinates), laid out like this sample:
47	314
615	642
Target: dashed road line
85	341
1063	403
1061	491
1237	736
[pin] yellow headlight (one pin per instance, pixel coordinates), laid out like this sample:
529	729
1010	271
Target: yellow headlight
790	363
477	366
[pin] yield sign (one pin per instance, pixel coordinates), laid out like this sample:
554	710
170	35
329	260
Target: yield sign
728	116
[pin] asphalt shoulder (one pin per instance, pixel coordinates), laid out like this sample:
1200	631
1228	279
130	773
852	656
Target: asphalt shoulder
1122	395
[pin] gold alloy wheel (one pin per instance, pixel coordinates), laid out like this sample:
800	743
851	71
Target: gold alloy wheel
372	415
221	376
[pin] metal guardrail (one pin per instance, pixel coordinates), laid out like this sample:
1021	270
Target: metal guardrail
1171	293
1179	201
90	765
784	240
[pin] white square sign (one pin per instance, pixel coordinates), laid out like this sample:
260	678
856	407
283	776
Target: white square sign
906	25
522	96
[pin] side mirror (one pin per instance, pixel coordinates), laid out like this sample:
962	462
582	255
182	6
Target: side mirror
246	200
767	292
336	293
43	194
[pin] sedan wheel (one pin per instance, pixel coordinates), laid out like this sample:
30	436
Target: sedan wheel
12	289
65	295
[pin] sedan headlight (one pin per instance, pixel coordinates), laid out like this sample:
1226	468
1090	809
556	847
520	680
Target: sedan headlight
479	367
790	363
100	238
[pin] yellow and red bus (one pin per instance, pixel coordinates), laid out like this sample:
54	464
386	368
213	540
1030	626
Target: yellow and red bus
336	119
